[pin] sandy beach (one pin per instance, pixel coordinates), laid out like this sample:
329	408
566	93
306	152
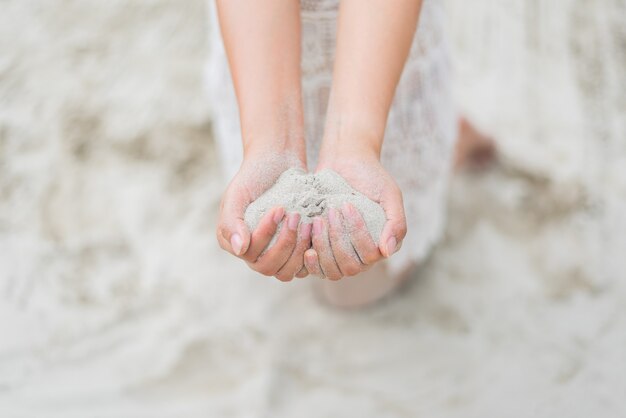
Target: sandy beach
116	301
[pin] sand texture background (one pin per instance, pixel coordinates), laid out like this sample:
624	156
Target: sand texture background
115	300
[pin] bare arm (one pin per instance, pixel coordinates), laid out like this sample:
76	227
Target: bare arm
373	42
262	41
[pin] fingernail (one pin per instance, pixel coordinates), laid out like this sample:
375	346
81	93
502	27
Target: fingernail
391	246
317	226
237	243
293	221
309	259
278	215
332	216
306	231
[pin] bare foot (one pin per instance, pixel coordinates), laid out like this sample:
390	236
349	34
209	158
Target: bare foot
474	150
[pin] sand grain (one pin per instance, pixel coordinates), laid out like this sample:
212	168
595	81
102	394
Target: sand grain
312	195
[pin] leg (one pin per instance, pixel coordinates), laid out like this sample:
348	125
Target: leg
364	289
474	149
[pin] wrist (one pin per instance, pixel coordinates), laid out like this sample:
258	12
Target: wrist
276	129
350	141
340	153
271	146
357	132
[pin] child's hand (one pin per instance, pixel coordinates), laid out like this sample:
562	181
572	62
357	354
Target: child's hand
331	255
284	259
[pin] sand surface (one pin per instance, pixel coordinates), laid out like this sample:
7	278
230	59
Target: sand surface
116	301
312	195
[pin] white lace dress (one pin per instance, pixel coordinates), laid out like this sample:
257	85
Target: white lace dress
421	127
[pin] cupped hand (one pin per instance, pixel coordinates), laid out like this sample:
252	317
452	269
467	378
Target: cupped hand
341	243
282	258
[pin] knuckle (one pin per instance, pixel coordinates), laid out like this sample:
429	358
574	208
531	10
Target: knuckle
299	251
363	238
351	269
220	232
265	270
394	188
266	234
284	277
248	257
290	240
402	227
370	257
282	248
358	222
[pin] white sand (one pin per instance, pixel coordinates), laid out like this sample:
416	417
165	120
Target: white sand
115	300
312	195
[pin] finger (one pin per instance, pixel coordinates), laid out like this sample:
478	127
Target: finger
394	230
270	262
232	233
302	273
347	259
321	244
311	262
360	238
263	233
233	236
296	261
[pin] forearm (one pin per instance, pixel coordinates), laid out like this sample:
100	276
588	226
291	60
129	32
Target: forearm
262	41
373	42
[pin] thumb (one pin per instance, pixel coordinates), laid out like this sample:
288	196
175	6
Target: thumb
394	230
232	232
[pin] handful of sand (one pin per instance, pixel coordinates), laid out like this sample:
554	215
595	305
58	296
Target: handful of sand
312	195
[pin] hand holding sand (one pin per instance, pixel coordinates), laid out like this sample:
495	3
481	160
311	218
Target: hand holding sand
317	198
342	244
284	257
265	61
